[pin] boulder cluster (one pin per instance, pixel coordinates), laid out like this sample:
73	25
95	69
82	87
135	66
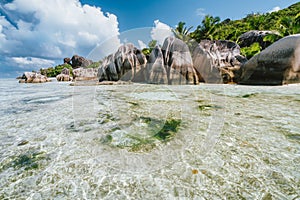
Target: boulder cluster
80	71
177	62
33	77
218	61
174	63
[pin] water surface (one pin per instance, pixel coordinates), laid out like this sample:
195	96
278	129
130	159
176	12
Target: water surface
97	142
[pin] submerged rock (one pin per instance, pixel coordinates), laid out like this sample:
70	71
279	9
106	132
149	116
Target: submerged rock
33	77
278	64
217	61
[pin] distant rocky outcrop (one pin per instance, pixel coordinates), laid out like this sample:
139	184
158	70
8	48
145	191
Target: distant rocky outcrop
79	61
178	62
250	37
64	76
278	64
217	61
82	74
67	61
33	77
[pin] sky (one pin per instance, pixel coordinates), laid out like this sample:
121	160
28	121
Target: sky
38	34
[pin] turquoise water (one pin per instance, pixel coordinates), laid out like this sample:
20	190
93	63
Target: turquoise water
97	142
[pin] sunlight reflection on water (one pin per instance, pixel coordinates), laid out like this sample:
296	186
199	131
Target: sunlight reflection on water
256	154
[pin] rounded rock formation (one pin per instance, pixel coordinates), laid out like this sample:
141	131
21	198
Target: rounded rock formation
276	65
217	61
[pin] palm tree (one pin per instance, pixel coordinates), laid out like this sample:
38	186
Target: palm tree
181	31
207	29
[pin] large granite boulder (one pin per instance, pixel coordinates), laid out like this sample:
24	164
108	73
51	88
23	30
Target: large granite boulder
127	64
33	77
156	71
278	64
108	70
79	61
67	61
178	62
217	61
250	37
65	71
65	75
84	74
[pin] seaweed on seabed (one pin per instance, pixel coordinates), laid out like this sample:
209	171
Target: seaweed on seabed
169	129
29	160
143	144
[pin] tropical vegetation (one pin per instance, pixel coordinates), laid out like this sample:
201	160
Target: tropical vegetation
285	22
54	71
282	23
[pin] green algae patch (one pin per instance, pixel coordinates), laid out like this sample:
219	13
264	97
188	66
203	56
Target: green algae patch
142	144
169	129
155	131
28	161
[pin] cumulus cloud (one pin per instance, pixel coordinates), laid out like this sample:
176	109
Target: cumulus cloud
51	30
275	9
160	31
28	62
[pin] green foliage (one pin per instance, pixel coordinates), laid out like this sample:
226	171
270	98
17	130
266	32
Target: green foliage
249	52
152	44
181	31
54	71
94	65
146	51
285	22
271	38
207	29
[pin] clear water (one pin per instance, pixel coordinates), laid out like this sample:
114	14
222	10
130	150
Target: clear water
77	142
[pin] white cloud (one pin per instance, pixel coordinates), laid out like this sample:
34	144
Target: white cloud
142	45
275	9
30	63
160	31
54	29
200	12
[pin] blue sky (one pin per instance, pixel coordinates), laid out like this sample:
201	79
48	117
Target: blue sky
137	13
39	35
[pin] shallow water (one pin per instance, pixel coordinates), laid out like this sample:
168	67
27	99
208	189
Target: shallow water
97	142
